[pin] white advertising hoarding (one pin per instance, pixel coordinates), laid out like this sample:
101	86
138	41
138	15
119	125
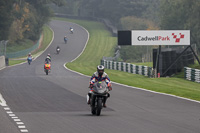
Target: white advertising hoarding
160	37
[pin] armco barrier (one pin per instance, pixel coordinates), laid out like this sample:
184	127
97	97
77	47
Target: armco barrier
2	61
192	74
127	67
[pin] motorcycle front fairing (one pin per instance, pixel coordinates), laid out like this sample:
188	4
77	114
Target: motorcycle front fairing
100	88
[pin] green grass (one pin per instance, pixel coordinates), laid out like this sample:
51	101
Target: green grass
101	43
25	44
181	74
175	86
48	34
22	45
14	62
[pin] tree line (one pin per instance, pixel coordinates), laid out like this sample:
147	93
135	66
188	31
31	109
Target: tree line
141	15
24	19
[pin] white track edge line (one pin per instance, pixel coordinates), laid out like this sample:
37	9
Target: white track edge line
141	88
124	84
2	100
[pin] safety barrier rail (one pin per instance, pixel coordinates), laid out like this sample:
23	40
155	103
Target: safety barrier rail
22	52
127	67
192	74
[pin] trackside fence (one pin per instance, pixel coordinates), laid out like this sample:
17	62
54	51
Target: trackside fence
192	74
127	67
23	52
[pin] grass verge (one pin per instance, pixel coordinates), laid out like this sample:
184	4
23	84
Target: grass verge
101	43
22	45
47	36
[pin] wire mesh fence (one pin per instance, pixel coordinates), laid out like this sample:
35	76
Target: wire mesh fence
18	53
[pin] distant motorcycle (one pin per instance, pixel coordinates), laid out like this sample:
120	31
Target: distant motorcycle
65	40
58	50
29	59
99	93
71	30
47	68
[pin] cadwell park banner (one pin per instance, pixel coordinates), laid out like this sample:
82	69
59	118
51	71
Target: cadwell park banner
154	37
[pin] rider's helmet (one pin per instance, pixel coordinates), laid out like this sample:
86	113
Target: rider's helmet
100	69
29	54
48	56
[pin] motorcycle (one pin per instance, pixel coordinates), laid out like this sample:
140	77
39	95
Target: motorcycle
47	68
65	40
29	59
97	97
58	50
71	31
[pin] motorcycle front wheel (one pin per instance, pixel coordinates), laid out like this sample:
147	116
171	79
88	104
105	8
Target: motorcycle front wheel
99	106
93	110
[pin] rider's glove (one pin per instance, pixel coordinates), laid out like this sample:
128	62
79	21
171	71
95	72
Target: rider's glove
91	86
110	88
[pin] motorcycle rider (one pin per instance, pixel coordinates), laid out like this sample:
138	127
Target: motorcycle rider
57	49
29	55
71	29
47	60
65	39
100	75
29	58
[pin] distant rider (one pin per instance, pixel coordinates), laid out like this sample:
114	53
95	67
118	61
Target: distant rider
48	59
30	56
100	75
57	49
65	39
71	29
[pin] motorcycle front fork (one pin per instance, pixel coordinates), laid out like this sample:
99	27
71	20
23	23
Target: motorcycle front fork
92	99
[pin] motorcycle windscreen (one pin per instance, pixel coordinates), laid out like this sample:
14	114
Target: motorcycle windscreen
100	87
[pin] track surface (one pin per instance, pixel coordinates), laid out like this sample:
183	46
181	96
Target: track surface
56	103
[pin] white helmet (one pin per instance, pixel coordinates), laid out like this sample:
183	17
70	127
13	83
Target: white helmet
100	69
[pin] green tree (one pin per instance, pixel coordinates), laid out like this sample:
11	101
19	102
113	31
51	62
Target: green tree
182	15
5	18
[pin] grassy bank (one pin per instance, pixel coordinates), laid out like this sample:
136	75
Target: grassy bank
47	36
22	45
101	44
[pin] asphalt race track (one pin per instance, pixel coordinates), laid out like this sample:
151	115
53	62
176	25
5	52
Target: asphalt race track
56	103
